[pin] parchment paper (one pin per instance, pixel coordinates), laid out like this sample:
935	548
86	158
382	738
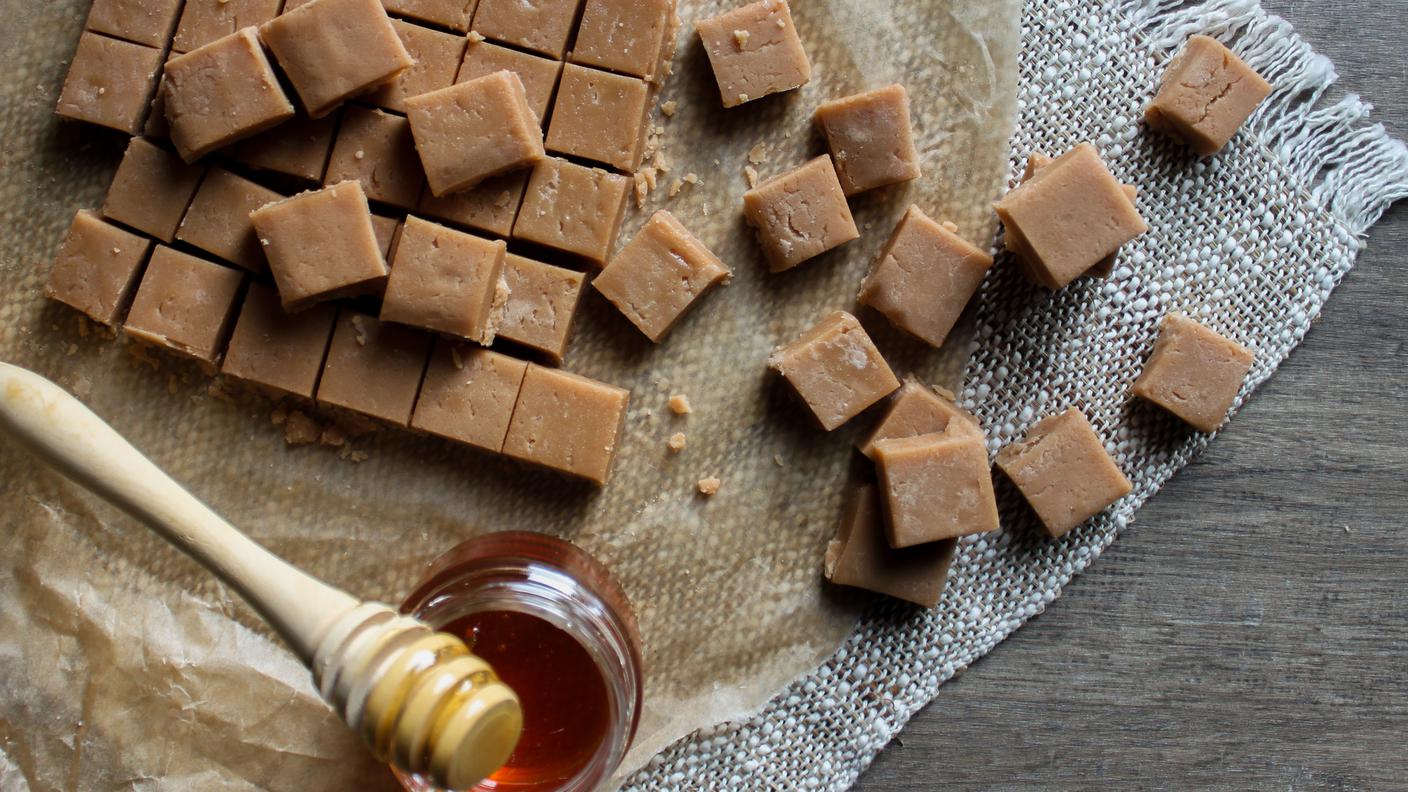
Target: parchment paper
123	664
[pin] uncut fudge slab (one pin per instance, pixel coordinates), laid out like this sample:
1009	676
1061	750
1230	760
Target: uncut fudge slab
541	26
659	274
298	147
573	208
184	304
542	299
924	278
275	349
836	369
110	83
332	50
489	206
151	189
860	556
376	149
204	21
935	486
321	245
218	220
374	368
800	214
1063	471
436	55
1194	372
220	93
473	130
627	36
870	138
468	394
1205	96
567	422
917	409
445	280
599	116
538	74
146	22
97	267
453	14
754	51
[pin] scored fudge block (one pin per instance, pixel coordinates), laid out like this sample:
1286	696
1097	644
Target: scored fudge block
220	93
96	267
538	74
542	299
657	276
627	36
184	304
916	409
836	369
374	368
1194	372
935	486
542	26
445	280
388	230
1063	471
474	130
573	208
754	51
567	422
436	55
151	189
109	83
924	278
332	50
800	214
218	220
275	349
204	21
599	116
453	14
321	245
489	206
468	394
146	22
298	147
1205	96
861	556
376	149
870	138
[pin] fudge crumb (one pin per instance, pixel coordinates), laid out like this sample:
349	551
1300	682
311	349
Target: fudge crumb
691	178
72	350
503	199
750	174
668	108
741	37
677	442
675	187
300	430
780	24
355	457
456	359
279	415
709	487
217	390
142	355
679	404
359	154
333	436
475	37
758	154
777	460
660	163
361	331
950	226
743	97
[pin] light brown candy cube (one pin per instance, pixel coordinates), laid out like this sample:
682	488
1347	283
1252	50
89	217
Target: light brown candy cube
184	304
1063	471
573	208
374	368
275	349
436	57
1194	372
321	245
935	486
800	214
542	299
568	423
541	26
298	147
332	50
468	395
836	369
754	51
861	556
453	14
204	21
110	83
445	280
151	189
377	149
538	74
221	93
474	130
218	220
96	268
599	116
627	36
657	276
488	206
1205	96
145	22
916	409
870	138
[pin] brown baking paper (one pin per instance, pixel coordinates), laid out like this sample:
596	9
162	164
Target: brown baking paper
124	664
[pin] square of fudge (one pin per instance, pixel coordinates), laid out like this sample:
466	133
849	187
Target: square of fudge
861	556
542	299
572	208
146	22
388	231
836	369
298	147
453	14
374	368
1194	372
184	304
151	189
489	206
332	50
376	149
599	116
538	74
96	267
924	278
659	274
870	138
436	55
800	214
1063	471
445	280
541	26
567	422
110	83
935	486
220	93
1205	95
204	21
275	349
218	220
474	130
754	51
627	36
468	394
1102	269
917	409
1068	217
321	245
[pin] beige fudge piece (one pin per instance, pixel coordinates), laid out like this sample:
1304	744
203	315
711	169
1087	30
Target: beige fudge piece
1194	372
861	556
573	208
468	395
298	148
627	36
453	14
924	278
935	486
335	49
538	74
567	422
1063	471
657	276
220	93
185	304
151	190
275	349
599	116
1035	162
146	22
218	220
1206	94
445	280
754	51
489	206
321	245
388	230
916	409
870	138
96	267
800	214
542	25
204	21
474	130
374	368
436	57
836	369
542	299
110	83
378	150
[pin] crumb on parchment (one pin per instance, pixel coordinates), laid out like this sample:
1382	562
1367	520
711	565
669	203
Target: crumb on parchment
677	442
679	404
709	486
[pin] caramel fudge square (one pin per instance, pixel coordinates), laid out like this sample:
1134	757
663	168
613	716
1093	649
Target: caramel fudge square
275	349
754	51
870	138
374	368
599	116
321	245
151	189
935	486
204	21
917	409
221	93
146	22
376	149
1194	372
860	556
445	280
626	36
218	220
542	299
538	74
1205	96
1063	471
452	14
1102	269
97	267
110	83
800	214
474	130
436	55
567	422
298	147
541	26
468	394
184	304
332	50
572	208
836	369
659	274
489	206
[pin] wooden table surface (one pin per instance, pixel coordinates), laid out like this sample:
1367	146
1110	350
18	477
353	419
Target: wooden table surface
1250	630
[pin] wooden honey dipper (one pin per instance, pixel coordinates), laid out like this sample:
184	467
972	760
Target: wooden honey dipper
419	697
